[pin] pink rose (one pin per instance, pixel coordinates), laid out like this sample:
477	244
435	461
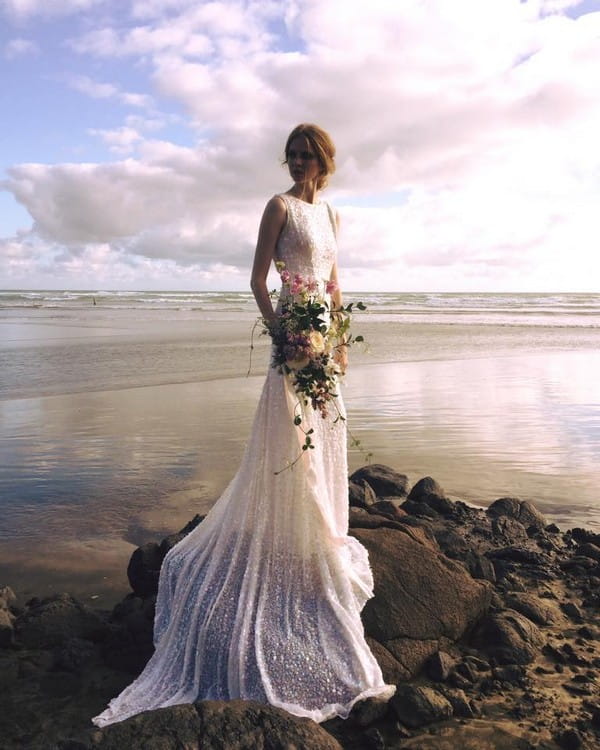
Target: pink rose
285	276
330	287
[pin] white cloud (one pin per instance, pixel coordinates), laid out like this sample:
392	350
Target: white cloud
20	48
26	8
100	90
481	116
121	140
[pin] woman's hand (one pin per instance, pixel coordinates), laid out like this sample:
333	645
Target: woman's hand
341	357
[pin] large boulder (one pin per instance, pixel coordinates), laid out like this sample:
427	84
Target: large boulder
385	481
422	599
214	725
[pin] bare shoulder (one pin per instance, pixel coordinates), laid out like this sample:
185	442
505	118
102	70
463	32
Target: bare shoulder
276	207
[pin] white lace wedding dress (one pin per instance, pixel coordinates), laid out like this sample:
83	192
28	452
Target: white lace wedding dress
262	600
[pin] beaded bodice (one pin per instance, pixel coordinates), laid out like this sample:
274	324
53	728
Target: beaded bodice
307	243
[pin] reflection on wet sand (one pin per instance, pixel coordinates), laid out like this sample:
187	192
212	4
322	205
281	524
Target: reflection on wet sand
86	477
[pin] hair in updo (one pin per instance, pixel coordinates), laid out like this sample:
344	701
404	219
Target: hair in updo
322	145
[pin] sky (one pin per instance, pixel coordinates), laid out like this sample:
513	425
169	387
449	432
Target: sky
141	139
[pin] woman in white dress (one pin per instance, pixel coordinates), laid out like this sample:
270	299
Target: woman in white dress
262	600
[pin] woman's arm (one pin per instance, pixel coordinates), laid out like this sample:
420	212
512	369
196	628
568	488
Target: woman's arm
341	353
272	222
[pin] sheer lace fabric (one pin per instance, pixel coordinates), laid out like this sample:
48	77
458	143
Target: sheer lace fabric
262	600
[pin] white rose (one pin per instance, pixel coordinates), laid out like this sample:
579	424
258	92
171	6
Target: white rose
317	341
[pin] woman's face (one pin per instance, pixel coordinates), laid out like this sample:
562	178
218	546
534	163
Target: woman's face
302	161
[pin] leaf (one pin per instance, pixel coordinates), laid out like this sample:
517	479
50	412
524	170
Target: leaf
359	338
361	305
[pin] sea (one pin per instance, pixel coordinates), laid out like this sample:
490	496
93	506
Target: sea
123	413
556	310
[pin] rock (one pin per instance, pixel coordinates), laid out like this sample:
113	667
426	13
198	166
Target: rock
513	674
7	631
53	621
521	510
518	555
508	530
360	493
589	550
130	644
385	481
421	597
419	509
438	666
531	606
144	568
572	611
583	535
508	637
360	518
388	509
429	492
393	671
417	706
569	739
425	487
368	711
145	562
7	597
480	567
169	542
215	725
373	739
75	655
461	706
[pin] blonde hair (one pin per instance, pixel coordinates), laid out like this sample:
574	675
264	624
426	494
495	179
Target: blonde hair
321	142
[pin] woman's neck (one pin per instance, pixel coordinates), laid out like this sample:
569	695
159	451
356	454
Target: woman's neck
305	192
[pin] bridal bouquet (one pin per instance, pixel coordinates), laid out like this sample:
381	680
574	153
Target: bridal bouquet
306	337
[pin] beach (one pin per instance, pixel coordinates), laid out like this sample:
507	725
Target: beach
122	419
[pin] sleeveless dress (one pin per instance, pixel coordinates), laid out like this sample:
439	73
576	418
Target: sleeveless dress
262	600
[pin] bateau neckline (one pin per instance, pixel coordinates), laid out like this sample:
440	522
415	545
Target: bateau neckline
306	203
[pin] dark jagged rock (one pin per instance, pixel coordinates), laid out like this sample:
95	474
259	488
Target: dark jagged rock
386	482
421	597
427	492
215	725
569	739
144	568
587	549
584	535
521	510
519	555
438	666
361	494
144	565
508	637
7	616
388	509
531	606
52	621
417	706
467	602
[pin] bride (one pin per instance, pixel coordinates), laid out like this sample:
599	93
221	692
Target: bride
262	600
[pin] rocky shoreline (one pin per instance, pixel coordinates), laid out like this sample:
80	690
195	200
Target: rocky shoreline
487	620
